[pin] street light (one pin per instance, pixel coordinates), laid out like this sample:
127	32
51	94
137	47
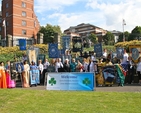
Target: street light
123	24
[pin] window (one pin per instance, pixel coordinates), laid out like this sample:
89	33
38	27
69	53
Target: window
23	23
7	23
0	20
7	5
0	28
7	14
23	13
23	32
23	4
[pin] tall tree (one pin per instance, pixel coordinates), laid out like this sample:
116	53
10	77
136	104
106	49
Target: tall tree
93	38
126	35
109	38
135	33
49	32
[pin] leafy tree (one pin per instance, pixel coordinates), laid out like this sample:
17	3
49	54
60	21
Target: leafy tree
49	32
135	34
93	38
126	35
109	38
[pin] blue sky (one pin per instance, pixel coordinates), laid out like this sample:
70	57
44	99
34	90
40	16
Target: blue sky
107	14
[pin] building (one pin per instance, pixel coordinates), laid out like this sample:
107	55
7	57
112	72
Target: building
84	30
20	20
116	34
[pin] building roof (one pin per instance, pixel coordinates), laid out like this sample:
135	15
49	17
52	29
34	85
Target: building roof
82	25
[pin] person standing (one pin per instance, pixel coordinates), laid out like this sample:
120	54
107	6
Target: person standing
41	68
85	65
25	74
73	65
66	65
79	66
139	69
91	66
3	83
45	65
59	65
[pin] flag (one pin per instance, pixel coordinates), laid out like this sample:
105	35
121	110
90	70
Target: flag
22	44
53	50
120	73
124	23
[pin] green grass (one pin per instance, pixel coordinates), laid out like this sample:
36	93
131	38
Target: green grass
43	101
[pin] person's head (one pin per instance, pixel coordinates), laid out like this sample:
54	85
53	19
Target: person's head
8	62
66	61
105	50
139	59
46	60
73	60
1	63
25	62
124	50
40	61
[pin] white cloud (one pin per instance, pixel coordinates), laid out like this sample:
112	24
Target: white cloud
114	13
45	5
105	14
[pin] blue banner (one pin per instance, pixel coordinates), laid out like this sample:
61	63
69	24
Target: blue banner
22	44
66	42
135	53
53	50
34	77
98	50
120	52
71	81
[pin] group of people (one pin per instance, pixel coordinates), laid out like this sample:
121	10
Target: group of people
89	64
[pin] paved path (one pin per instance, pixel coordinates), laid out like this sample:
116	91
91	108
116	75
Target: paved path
114	88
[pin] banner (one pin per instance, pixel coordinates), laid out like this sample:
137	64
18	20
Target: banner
120	52
135	53
66	42
70	81
22	44
98	50
53	50
41	57
77	44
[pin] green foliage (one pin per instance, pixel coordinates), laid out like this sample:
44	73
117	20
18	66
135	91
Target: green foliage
109	39
126	35
135	34
49	32
43	101
93	38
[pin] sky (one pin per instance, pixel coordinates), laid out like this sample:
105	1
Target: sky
106	14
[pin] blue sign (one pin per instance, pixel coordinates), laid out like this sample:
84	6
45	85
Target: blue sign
22	44
71	81
98	50
53	50
135	53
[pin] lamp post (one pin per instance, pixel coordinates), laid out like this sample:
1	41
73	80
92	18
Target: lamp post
123	24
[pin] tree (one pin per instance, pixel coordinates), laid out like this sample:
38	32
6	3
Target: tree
109	38
135	33
93	38
49	32
126	35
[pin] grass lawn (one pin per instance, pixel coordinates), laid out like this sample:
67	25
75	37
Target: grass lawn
43	101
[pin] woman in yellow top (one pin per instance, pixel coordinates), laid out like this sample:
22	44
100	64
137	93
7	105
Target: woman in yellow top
3	83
